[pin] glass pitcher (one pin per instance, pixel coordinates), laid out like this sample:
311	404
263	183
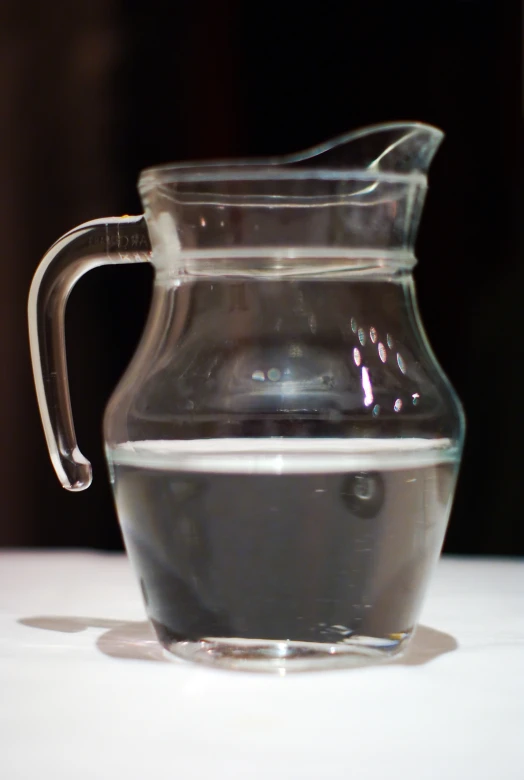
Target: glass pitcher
284	447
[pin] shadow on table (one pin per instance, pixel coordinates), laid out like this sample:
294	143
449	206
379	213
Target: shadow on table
136	640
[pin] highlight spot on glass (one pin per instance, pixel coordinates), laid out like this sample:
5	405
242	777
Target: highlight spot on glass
353	325
258	376
274	374
203	221
295	351
376	410
366	386
415	398
401	363
398	405
383	355
362	336
390	341
373	335
356	356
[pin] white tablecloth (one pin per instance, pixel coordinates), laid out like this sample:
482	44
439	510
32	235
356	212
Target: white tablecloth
85	693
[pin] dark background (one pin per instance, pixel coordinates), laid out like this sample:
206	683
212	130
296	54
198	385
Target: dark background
92	91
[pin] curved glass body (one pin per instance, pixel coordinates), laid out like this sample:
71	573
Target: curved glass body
284	447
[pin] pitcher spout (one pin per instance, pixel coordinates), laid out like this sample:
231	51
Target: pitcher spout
396	147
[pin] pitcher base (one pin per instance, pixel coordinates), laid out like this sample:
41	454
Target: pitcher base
283	656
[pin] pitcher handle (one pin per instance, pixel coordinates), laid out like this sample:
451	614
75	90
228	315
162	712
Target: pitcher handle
99	242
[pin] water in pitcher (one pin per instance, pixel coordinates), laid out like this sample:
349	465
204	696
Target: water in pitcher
284	540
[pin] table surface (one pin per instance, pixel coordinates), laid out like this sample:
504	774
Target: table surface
86	693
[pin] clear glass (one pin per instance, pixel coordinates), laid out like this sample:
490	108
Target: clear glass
284	447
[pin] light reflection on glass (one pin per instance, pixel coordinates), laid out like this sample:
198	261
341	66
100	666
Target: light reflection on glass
373	335
202	221
366	386
258	376
390	341
382	352
401	363
398	405
415	398
356	356
353	325
362	336
376	410
273	374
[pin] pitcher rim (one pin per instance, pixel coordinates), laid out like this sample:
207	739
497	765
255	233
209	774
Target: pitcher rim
278	167
156	176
